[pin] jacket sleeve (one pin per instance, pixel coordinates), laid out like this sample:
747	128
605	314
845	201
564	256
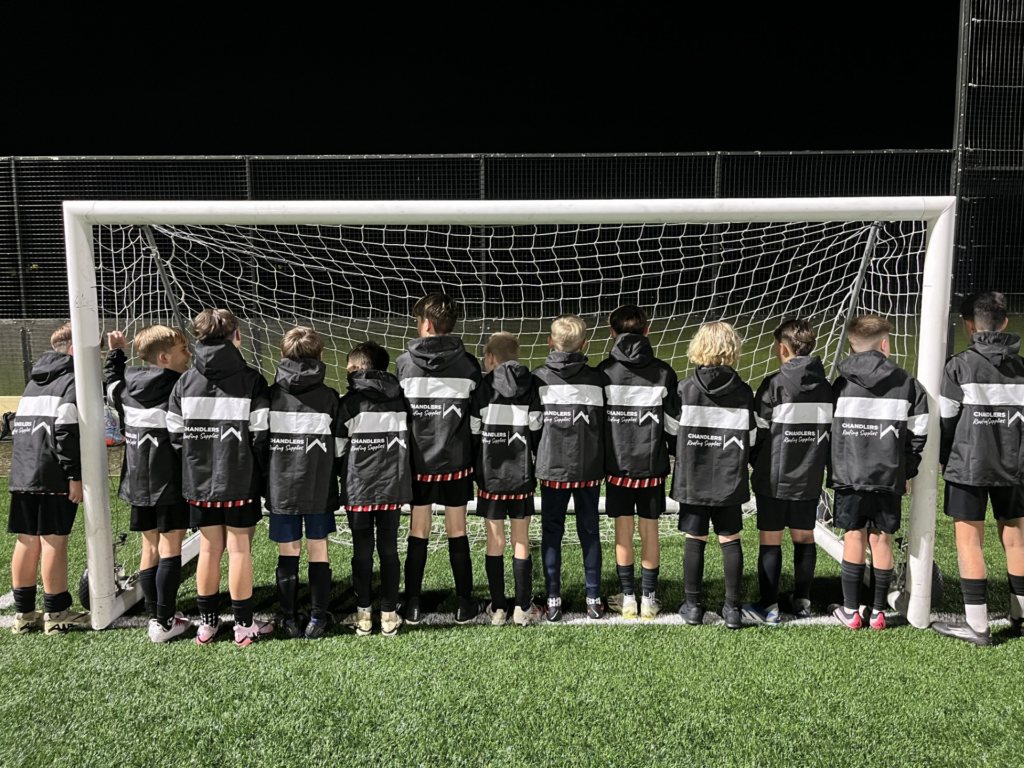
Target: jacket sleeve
917	427
477	402
670	408
763	408
751	422
950	404
536	418
259	424
66	436
113	379
339	431
175	424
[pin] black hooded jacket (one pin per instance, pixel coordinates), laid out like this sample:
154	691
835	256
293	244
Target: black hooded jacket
374	439
302	477
438	377
151	468
46	453
982	410
506	421
716	428
641	409
219	418
879	427
793	410
571	447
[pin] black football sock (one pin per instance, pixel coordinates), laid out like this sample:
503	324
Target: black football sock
462	566
147	582
1016	595
627	576
242	610
769	571
693	569
649	580
883	578
56	603
168	579
852	576
522	571
25	598
320	589
975	593
390	569
207	605
495	567
415	564
805	558
732	565
362	567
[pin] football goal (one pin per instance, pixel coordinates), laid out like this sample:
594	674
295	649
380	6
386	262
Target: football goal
353	270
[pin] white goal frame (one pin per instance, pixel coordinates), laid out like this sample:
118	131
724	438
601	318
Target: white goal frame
81	216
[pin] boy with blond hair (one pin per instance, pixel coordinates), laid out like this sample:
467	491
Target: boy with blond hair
151	468
710	480
506	422
570	458
879	429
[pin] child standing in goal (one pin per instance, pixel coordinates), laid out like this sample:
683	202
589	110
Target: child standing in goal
302	479
879	430
506	421
982	458
794	418
641	420
570	458
151	469
219	419
376	480
438	377
710	480
46	489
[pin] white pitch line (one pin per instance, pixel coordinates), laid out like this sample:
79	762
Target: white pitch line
6	601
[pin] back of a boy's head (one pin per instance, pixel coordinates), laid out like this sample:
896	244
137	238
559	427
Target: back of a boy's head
986	310
628	318
154	339
440	309
302	342
214	325
60	340
798	335
866	332
503	345
369	356
568	333
715	344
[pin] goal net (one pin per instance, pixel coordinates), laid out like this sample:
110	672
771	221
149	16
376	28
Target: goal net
751	266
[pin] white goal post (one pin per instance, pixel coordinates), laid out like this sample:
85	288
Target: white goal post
80	218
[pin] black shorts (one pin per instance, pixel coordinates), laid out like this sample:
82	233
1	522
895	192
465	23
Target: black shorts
386	520
648	503
512	509
856	510
970	502
778	514
234	517
696	520
40	514
448	493
165	518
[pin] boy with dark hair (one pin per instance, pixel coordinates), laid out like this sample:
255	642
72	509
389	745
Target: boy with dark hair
505	421
46	489
794	418
151	468
376	480
641	419
302	478
710	480
219	420
879	429
438	377
570	458
982	458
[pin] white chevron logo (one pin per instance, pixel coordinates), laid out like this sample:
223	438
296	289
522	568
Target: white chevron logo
231	431
739	443
1017	416
42	425
150	438
887	430
824	436
580	415
316	441
451	408
649	415
394	440
516	436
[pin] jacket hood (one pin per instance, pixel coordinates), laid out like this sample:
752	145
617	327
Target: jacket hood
51	365
511	379
566	364
151	385
436	353
717	380
633	350
867	369
298	376
218	359
806	373
376	385
995	346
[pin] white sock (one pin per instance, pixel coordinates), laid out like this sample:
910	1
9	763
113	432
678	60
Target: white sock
1016	606
977	617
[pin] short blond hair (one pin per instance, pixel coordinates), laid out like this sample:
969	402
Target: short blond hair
300	342
715	344
214	324
60	340
568	333
503	345
154	339
866	332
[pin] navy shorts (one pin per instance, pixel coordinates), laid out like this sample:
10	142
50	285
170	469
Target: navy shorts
778	514
285	529
648	503
697	520
857	510
970	502
41	514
